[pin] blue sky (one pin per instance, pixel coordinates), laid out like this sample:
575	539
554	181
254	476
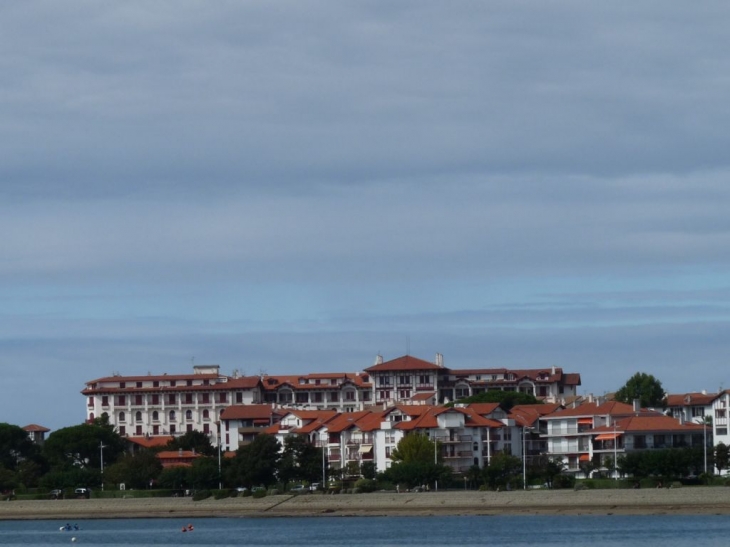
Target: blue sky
299	186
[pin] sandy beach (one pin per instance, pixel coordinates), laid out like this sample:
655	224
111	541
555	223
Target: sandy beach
695	500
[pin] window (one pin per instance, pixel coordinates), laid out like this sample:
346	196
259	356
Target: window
239	397
206	398
719	412
189	383
173	383
138	400
155	399
349	395
206	382
424	379
156	383
122	417
188	414
388	450
189	428
121	400
334	397
173	429
155	416
385	394
404	380
171	399
639	441
317	397
404	394
188	398
222	398
206	414
122	385
206	428
138	416
139	384
104	400
366	395
302	397
384	381
122	430
155	429
172	415
138	430
660	441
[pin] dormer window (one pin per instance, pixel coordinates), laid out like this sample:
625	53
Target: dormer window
122	385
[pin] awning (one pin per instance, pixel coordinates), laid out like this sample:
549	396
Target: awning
585	421
365	448
584	458
608	436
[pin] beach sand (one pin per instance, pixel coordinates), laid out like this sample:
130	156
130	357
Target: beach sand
694	500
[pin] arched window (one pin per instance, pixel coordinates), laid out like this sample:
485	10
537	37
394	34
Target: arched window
91	417
172	415
188	414
155	416
138	416
122	417
206	414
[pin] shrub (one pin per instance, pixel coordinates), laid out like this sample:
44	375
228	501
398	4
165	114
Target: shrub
366	485
200	495
246	493
221	494
259	494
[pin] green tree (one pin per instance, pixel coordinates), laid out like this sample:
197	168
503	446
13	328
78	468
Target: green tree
15	447
175	478
415	448
644	387
368	470
204	473
79	446
722	457
503	470
300	461
134	470
256	463
193	440
417	473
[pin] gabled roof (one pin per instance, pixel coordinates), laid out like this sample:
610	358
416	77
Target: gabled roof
483	408
272	383
151	442
407	362
690	399
414	410
34	428
346	420
607	408
659	423
248	412
424	396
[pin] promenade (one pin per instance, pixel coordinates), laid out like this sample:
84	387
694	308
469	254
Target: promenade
695	500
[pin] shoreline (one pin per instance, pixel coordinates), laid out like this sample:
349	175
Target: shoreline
685	501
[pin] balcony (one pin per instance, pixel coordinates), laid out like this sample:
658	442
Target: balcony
459	455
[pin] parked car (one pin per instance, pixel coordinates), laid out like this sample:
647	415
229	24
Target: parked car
56	494
83	492
299	489
257	489
241	489
314	486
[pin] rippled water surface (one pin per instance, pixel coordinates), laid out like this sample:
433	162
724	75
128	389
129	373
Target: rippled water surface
645	531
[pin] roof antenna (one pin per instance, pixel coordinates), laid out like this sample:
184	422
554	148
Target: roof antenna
408	345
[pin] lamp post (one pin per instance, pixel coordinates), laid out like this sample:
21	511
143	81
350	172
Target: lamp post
615	452
524	460
435	460
101	451
220	478
323	438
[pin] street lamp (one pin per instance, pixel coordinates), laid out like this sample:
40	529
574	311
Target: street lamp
615	452
220	478
323	437
102	446
524	458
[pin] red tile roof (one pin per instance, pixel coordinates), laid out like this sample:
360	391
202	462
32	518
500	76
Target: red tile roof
34	428
423	396
612	408
406	362
151	442
248	412
691	399
659	423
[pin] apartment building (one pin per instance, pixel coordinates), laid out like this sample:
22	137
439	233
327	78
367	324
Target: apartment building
407	378
345	392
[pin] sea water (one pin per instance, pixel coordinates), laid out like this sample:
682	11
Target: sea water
563	531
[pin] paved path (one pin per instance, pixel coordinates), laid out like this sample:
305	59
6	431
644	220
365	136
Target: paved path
695	500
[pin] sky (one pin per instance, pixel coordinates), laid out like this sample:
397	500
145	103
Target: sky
299	186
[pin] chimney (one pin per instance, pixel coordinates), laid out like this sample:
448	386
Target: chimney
378	359
637	405
179	452
590	397
193	451
439	360
553	371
